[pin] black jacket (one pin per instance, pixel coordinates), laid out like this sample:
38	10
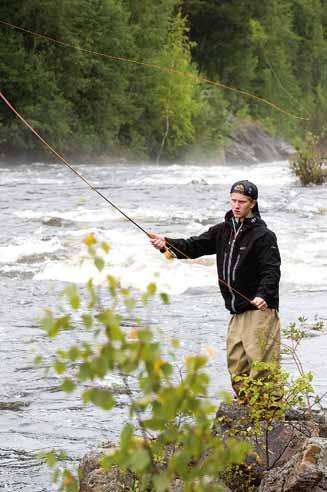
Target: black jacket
248	260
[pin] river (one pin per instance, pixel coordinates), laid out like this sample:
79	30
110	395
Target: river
45	213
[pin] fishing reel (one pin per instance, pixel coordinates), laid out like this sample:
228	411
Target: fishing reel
168	253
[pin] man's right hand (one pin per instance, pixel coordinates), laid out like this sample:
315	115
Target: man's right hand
157	240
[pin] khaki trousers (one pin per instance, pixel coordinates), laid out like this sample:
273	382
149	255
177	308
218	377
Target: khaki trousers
252	336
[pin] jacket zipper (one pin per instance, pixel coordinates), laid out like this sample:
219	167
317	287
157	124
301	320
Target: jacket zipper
224	266
235	266
229	267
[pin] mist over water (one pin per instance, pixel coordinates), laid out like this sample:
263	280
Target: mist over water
45	213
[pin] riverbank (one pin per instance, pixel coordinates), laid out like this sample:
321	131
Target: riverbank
248	144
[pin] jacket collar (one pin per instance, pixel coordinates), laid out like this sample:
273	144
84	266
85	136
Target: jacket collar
248	222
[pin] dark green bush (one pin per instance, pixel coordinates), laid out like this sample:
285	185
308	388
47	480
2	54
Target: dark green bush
308	163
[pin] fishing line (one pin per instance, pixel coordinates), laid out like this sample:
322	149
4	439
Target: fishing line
66	162
48	146
197	78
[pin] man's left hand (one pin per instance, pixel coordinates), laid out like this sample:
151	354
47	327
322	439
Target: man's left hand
259	303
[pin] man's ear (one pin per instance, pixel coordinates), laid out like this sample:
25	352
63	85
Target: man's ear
253	204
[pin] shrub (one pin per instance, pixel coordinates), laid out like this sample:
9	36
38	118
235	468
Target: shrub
308	162
170	433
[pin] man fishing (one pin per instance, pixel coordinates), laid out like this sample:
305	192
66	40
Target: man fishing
248	263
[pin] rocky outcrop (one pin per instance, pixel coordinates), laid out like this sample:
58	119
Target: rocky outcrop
251	144
93	478
306	471
290	457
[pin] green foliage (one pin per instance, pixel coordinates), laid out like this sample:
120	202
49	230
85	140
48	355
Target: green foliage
82	102
87	103
275	49
308	163
241	478
171	434
294	333
173	104
272	393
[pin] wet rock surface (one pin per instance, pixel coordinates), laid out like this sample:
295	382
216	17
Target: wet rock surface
13	405
252	144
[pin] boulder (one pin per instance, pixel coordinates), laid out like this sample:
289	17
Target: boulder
252	144
306	471
93	478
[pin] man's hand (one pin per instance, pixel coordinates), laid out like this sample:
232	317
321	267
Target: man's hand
157	240
259	303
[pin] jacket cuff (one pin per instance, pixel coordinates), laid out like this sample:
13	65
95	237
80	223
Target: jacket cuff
262	296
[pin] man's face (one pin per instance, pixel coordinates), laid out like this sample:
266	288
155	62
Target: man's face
241	205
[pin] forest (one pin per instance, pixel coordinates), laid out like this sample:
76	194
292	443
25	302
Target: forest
83	102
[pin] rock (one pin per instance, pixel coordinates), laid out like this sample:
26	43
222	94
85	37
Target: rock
306	471
300	414
96	479
252	144
13	405
297	448
297	451
93	478
56	222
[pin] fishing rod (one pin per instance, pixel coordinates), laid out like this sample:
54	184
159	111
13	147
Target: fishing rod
168	248
167	252
153	66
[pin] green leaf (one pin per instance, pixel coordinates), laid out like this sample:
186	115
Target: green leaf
130	303
161	482
74	353
73	296
164	297
68	386
140	460
38	360
51	459
102	398
112	322
105	246
59	367
87	320
92	294
99	263
112	285
151	289
126	435
175	343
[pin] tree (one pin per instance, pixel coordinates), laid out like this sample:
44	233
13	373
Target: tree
29	80
75	99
